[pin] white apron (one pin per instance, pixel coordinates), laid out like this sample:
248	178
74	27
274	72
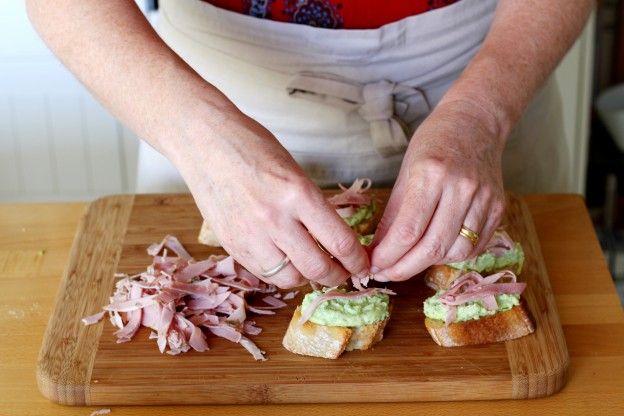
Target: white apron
344	102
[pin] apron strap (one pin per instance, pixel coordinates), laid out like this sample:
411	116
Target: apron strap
388	107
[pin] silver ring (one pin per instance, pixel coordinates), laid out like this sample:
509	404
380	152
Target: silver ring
275	270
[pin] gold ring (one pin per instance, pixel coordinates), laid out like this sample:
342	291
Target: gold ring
470	235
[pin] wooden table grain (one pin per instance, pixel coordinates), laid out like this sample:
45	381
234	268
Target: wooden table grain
34	246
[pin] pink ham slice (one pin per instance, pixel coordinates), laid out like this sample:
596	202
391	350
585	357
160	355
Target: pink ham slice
473	287
354	195
500	243
334	293
183	300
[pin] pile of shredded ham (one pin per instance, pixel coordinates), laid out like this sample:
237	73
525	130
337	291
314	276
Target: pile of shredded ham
335	293
182	300
474	287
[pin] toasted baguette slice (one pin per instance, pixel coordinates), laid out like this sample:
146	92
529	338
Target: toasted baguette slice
329	341
441	276
207	236
364	337
502	326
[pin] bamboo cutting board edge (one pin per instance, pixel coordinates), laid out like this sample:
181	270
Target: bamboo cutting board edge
65	364
533	376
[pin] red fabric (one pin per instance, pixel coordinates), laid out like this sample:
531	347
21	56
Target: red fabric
347	14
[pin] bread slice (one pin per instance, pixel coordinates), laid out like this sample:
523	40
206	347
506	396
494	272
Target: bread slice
364	337
207	236
329	341
441	276
502	326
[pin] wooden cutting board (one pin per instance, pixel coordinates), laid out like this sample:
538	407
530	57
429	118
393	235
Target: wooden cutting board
83	365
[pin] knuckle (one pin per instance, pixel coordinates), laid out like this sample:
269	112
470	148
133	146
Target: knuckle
434	250
468	184
344	246
436	167
267	214
316	269
408	234
302	191
461	253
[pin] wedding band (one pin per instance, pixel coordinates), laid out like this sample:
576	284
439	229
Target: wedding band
275	270
470	235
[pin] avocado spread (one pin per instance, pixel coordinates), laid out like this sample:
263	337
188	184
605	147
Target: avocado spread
434	309
348	312
361	214
365	240
488	262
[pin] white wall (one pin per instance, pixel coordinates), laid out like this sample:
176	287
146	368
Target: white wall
574	76
58	143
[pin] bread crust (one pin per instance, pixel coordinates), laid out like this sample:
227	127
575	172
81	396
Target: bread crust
207	236
441	276
329	341
502	326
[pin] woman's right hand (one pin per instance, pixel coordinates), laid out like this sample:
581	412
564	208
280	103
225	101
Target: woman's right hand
262	207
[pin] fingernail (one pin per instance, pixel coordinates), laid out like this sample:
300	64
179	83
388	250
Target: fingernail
375	269
380	277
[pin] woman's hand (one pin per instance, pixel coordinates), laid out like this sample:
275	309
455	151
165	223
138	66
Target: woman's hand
450	176
262	207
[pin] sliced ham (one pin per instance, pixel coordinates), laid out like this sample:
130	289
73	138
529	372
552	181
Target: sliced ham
90	320
500	243
290	295
355	195
334	293
173	244
183	301
472	287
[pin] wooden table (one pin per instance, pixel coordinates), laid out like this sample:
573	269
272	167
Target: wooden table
34	246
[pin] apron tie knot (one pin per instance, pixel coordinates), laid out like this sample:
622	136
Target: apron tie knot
388	107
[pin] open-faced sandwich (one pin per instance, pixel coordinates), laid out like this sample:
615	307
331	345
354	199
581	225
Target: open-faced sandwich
358	208
501	253
332	321
354	204
478	310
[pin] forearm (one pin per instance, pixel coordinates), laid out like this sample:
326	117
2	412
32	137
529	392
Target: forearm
112	49
527	40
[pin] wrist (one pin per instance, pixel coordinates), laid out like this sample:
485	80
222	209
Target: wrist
470	115
197	126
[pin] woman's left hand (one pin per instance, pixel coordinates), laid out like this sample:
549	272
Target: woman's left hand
450	177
